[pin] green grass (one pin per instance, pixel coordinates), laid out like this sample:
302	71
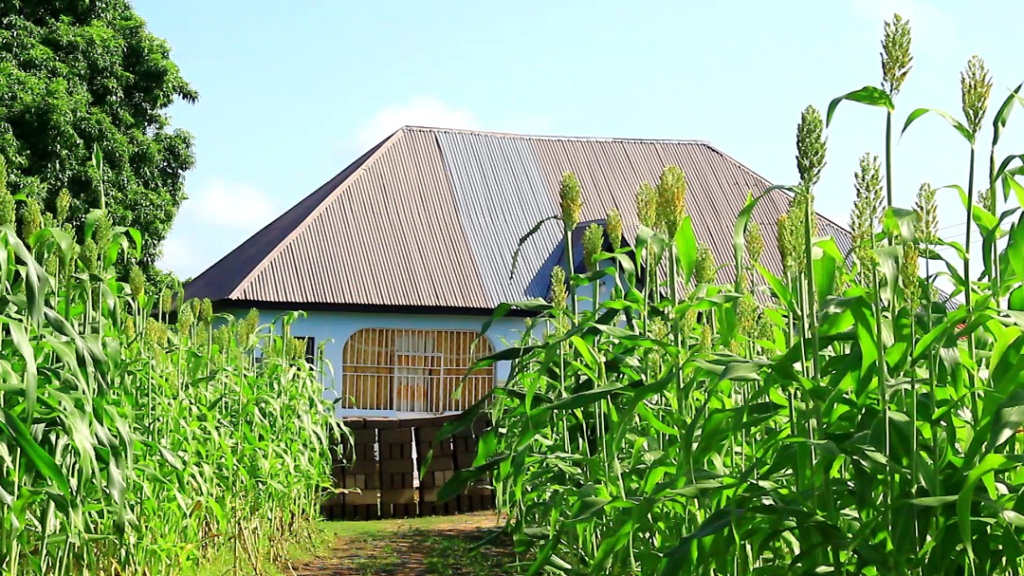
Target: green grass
437	545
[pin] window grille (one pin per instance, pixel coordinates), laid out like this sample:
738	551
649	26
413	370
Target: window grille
414	370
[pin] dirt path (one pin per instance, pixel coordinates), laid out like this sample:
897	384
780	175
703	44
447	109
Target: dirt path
419	546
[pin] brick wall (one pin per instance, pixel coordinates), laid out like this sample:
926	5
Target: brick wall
389	453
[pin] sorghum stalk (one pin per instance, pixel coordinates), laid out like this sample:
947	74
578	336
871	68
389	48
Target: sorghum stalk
975	88
867	208
646	209
811	147
911	291
896	63
593	241
613	224
571	200
927	230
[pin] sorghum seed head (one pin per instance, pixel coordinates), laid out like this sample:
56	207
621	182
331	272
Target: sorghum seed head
166	299
222	338
137	283
754	242
559	293
593	241
248	326
63	206
705	338
909	277
896	56
186	317
975	89
90	256
614	224
206	311
927	226
52	262
571	199
704	269
796	221
746	315
690	321
671	192
867	208
810	147
647	206
785	238
104	231
31	218
7	211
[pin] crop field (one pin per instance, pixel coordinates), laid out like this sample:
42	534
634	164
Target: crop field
845	417
132	442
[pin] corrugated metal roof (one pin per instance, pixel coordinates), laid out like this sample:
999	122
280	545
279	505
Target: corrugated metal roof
429	218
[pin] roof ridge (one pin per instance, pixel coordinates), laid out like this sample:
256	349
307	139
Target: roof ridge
435	129
255	244
367	159
784	191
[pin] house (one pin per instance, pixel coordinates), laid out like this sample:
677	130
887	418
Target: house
400	258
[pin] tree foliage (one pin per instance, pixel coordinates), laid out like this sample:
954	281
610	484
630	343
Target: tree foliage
80	76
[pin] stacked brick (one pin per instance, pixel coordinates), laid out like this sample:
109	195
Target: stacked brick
389	454
359	479
398	497
479	496
440	470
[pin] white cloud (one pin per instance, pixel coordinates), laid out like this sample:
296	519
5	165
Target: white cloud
217	216
177	255
419	111
235	205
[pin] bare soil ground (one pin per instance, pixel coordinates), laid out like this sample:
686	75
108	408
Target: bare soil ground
419	546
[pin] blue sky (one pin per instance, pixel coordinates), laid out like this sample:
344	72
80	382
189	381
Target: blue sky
291	92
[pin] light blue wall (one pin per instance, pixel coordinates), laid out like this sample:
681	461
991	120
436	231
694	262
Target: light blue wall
333	329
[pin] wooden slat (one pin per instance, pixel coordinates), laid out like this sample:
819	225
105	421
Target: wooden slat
428	373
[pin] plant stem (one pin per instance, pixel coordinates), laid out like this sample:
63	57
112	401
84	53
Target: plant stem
968	290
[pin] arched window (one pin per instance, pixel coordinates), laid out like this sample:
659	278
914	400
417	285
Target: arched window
414	370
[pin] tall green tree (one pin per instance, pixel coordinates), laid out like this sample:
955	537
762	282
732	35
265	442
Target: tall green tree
77	76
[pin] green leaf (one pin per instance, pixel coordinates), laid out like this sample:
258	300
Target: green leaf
1010	184
1016	299
587	398
1003	114
30	375
869	95
90	222
1007	420
42	460
739	232
587	508
963	130
778	287
463	478
677	560
1015	247
686	248
932	501
900	222
988	464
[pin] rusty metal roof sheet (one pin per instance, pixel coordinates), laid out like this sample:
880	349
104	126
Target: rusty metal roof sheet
429	218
